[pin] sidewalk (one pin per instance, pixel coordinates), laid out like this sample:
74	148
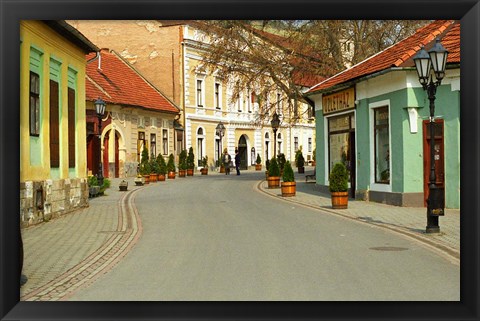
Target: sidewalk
409	221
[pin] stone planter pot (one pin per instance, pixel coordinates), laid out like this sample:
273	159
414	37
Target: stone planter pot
339	200
93	191
139	181
273	181
289	189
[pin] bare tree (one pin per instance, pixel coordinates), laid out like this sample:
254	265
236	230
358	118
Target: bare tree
269	56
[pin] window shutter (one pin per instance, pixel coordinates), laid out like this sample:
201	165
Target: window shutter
71	127
54	126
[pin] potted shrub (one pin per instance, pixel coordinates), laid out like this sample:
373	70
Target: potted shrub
145	166
182	163
153	169
190	162
204	163
258	163
267	165
220	165
300	162
281	162
289	187
93	187
338	186
273	174
171	167
161	168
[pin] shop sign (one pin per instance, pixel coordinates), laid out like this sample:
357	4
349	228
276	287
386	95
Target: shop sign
339	101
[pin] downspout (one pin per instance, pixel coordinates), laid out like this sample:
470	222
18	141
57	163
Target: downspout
182	94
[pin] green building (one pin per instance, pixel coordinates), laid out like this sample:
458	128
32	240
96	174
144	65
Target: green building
374	118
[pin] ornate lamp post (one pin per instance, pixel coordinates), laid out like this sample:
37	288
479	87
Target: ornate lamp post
436	58
100	109
220	131
275	124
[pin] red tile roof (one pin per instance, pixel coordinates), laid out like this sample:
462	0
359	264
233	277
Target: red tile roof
117	82
401	54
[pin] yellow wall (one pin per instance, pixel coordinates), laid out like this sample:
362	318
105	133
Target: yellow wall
40	36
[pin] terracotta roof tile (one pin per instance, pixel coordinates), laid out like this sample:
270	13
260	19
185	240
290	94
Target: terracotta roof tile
117	82
401	54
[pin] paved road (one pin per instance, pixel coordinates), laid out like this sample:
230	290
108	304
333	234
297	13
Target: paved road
215	238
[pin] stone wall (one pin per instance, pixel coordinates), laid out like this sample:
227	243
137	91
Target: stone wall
41	201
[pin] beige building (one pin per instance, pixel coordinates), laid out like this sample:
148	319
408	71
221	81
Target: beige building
169	54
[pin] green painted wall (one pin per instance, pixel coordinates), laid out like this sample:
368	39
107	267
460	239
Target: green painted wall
320	147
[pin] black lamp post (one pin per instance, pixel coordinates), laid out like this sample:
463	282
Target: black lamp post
100	109
220	131
436	58
275	124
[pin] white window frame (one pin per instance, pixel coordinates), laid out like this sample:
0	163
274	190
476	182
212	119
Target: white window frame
203	142
141	122
217	95
376	186
200	92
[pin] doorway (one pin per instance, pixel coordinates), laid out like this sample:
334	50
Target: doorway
243	151
439	157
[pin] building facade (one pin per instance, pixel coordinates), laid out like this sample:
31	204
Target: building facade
52	120
374	118
169	55
137	115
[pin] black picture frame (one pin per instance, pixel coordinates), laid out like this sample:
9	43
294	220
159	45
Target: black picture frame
13	11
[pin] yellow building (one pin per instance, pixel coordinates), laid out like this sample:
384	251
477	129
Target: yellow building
52	120
168	54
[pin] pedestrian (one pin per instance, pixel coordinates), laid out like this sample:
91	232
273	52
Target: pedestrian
226	161
237	161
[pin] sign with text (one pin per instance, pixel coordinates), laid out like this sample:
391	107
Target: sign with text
339	101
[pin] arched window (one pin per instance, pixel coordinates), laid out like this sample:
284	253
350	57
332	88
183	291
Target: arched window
267	141
200	145
279	143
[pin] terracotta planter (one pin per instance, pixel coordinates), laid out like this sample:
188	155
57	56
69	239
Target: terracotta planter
289	188
273	181
258	167
161	177
204	171
153	178
222	169
190	172
339	200
171	175
301	170
147	179
182	173
314	163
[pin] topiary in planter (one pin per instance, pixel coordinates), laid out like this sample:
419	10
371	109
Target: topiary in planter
339	178
171	163
289	187
162	166
288	175
273	169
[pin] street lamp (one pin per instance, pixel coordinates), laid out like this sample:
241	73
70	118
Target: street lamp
436	58
275	124
220	131
100	109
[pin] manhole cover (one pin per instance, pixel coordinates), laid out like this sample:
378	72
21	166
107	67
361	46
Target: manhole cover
388	248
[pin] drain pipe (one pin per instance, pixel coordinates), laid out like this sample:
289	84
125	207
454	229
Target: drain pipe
97	56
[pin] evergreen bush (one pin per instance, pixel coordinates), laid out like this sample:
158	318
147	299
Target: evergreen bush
182	160
273	169
300	160
259	159
288	175
190	159
171	163
339	178
162	166
281	161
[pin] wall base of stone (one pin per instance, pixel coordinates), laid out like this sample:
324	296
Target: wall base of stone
41	201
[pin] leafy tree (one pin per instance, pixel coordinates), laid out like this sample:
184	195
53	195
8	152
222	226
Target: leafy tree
288	175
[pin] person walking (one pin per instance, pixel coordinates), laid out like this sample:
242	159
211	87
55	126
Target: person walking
237	161
226	161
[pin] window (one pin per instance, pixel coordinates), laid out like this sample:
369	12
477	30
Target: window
54	126
71	127
153	122
200	141
382	146
153	145
141	122
217	96
267	140
295	143
279	143
199	93
34	104
140	145
165	141
309	144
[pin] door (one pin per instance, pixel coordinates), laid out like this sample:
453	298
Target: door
439	157
242	150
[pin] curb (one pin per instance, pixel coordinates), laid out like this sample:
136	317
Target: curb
447	252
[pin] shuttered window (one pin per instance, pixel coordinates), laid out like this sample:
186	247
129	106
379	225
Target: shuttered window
34	104
54	126
71	127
